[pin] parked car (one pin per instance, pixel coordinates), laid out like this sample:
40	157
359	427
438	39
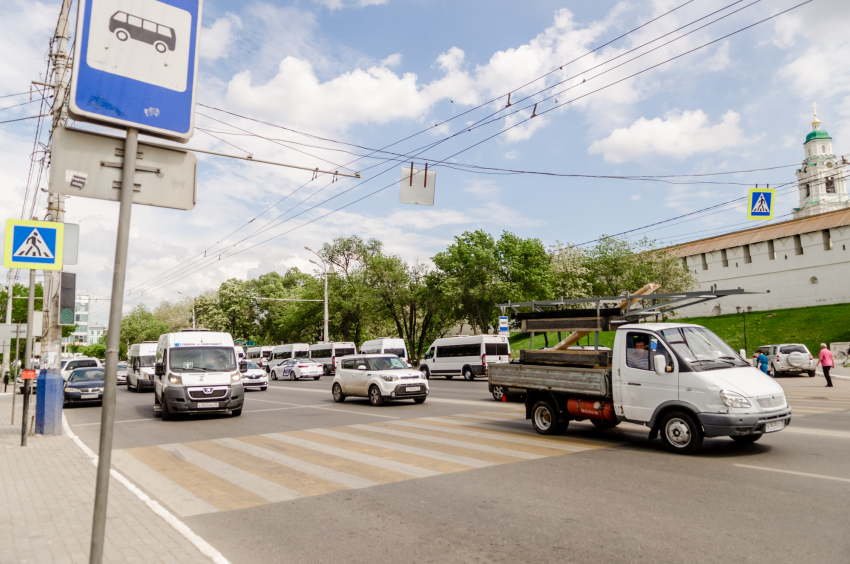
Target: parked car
380	378
84	385
253	377
764	349
79	362
295	368
790	359
121	373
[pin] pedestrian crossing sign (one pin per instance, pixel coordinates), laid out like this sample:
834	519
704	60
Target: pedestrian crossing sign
760	203
33	244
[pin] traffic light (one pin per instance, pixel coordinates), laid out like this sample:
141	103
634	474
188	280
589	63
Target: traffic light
67	298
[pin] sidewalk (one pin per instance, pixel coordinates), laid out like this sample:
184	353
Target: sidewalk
46	501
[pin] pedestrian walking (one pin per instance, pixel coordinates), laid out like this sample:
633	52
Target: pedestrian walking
761	362
826	362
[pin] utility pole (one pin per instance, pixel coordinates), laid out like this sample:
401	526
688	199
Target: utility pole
193	307
28	357
52	345
327	270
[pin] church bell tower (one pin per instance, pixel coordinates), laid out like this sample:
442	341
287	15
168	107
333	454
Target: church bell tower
822	179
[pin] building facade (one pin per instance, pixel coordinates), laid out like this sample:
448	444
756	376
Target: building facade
797	263
81	317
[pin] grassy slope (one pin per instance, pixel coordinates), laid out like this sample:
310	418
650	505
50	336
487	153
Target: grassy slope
809	325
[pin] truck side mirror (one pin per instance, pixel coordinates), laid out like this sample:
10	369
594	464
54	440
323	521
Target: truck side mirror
157	369
660	364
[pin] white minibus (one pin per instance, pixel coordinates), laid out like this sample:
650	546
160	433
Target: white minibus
284	352
465	356
386	345
328	353
259	356
140	363
196	372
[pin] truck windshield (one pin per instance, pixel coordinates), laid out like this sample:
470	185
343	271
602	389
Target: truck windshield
702	349
147	360
218	359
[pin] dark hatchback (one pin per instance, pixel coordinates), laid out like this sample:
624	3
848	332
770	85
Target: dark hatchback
84	385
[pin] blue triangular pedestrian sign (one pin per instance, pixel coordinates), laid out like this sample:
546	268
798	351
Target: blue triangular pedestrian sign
33	244
33	247
760	203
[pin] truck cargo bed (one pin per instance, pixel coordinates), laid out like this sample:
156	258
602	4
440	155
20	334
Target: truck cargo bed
579	381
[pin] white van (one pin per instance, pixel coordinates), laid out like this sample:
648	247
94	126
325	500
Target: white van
140	362
196	372
259	356
465	356
386	345
240	352
285	352
328	353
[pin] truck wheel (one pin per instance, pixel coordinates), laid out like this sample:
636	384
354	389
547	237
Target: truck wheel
467	374
426	373
746	439
375	397
811	373
604	424
680	433
339	397
166	413
544	418
499	392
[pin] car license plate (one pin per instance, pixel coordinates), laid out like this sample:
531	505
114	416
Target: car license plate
414	388
88	396
208	404
774	426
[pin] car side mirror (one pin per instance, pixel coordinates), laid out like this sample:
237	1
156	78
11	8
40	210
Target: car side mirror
243	368
660	364
158	369
361	367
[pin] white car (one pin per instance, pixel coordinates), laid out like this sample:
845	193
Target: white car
79	362
253	377
790	359
378	377
295	368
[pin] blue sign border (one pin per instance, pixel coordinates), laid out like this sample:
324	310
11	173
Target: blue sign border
118	100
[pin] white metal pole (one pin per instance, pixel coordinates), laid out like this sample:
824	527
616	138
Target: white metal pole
113	340
193	313
28	356
7	346
326	303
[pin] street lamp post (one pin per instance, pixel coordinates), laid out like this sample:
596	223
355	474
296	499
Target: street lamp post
193	307
326	270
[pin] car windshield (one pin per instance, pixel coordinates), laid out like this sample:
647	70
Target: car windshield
788	349
387	363
253	366
86	375
122	366
213	359
64	362
702	349
147	360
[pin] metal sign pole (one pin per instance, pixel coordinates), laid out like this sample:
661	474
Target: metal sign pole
11	375
28	356
113	341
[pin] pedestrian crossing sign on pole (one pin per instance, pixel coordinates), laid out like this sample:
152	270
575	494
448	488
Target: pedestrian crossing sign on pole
760	203
33	244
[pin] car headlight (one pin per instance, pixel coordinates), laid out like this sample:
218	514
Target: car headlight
389	377
235	377
733	399
72	391
178	380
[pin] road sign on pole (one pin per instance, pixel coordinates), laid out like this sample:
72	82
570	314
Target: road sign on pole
760	203
503	324
137	65
33	244
89	165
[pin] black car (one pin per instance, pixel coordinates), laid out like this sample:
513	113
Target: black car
84	385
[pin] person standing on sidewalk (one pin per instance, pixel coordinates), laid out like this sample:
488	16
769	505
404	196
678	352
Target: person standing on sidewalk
826	362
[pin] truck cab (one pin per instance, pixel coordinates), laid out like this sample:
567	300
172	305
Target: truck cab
197	372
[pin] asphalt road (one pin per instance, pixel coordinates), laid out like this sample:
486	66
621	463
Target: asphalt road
462	478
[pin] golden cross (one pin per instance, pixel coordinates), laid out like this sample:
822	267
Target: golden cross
815	106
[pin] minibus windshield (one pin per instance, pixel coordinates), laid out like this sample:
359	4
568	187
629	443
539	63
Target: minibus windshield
702	349
147	360
209	359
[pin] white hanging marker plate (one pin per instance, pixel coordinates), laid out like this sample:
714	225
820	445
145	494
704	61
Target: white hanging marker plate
418	187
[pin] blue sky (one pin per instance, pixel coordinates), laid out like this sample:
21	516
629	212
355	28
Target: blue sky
372	72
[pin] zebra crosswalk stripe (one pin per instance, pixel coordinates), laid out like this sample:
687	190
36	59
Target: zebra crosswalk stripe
489	435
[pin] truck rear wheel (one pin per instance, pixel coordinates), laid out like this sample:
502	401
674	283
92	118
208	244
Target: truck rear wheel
499	392
681	433
544	418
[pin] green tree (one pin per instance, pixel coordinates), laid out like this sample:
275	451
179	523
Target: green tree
137	326
19	306
176	315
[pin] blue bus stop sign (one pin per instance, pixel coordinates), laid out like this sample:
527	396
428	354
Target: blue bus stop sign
137	65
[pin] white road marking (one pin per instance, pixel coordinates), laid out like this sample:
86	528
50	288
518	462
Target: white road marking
356	456
443	441
404	448
503	438
822	432
341	478
804	474
480	402
260	486
181	500
203	546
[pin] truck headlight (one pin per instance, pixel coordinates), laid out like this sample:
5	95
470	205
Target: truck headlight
733	399
389	378
235	377
177	380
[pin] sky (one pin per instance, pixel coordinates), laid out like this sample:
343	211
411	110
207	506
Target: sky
637	89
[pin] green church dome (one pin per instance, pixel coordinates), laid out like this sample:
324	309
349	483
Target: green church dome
817	134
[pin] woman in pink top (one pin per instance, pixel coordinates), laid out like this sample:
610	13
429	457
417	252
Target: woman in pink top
825	360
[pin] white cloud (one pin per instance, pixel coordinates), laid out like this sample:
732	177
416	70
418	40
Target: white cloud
217	40
635	196
340	4
680	135
512	155
393	60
